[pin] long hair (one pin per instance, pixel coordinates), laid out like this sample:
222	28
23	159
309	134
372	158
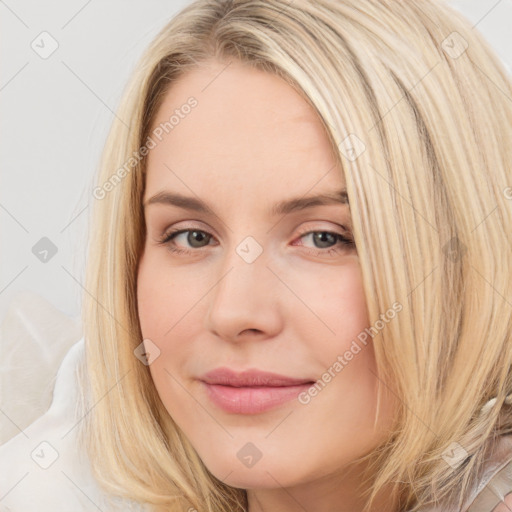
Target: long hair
418	111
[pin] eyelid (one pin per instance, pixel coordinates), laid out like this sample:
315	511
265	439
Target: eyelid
344	241
185	225
308	229
302	230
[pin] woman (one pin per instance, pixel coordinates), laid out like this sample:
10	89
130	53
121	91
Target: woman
299	292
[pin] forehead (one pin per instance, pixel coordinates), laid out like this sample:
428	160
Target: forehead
249	132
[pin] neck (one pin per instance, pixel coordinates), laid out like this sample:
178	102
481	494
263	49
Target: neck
340	492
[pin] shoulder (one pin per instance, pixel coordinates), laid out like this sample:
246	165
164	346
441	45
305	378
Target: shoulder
505	505
494	491
44	467
37	465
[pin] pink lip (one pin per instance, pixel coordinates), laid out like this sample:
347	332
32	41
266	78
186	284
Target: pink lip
251	391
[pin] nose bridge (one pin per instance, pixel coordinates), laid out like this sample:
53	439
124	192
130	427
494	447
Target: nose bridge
245	274
241	298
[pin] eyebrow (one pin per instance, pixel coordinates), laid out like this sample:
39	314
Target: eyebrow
282	208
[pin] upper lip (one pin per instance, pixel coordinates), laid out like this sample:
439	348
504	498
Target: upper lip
252	377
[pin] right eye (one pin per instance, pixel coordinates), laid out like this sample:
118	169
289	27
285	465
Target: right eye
196	239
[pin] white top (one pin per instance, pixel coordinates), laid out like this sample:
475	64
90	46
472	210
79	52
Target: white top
43	468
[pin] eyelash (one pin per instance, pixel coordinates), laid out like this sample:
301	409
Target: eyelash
344	242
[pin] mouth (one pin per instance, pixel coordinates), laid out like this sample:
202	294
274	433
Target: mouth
251	391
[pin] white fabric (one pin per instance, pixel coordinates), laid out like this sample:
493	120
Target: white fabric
34	337
42	468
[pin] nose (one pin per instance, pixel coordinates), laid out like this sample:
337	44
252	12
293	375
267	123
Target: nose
245	301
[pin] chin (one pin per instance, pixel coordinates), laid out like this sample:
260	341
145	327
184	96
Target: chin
260	476
261	480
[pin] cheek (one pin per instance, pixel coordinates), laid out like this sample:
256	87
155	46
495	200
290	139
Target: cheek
337	303
165	298
346	305
170	312
338	340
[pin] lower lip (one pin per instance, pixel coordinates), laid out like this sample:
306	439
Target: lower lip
252	400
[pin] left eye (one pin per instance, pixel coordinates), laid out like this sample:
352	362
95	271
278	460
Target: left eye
320	238
324	241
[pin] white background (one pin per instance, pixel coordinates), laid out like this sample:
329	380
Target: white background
56	113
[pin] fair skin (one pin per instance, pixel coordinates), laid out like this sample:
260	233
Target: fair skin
250	143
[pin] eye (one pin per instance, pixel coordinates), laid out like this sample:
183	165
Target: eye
196	238
327	242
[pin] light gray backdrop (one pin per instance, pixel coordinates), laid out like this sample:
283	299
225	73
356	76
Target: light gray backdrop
56	111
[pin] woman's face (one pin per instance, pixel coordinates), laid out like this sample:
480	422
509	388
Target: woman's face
258	279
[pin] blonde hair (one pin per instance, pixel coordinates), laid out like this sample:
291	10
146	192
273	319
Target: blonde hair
418	110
